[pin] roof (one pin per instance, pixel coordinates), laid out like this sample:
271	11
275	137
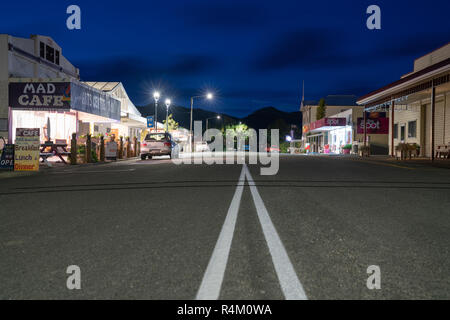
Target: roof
104	86
334	100
410	77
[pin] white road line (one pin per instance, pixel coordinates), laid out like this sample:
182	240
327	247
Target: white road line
213	277
290	284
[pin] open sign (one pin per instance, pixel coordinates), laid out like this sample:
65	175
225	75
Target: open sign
7	157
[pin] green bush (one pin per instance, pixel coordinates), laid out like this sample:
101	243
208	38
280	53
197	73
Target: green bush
347	146
81	149
94	156
284	147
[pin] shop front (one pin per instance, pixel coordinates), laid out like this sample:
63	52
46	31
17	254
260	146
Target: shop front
325	133
59	108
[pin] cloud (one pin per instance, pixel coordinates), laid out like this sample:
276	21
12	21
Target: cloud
125	67
308	49
223	15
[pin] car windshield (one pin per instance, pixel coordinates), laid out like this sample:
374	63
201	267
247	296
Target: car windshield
156	137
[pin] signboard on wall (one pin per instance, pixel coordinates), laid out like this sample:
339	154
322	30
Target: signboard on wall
39	95
374	126
7	157
328	122
63	96
150	122
26	151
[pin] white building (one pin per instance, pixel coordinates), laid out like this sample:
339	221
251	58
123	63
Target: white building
38	85
131	121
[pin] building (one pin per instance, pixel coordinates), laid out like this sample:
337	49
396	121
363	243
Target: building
342	125
418	104
40	88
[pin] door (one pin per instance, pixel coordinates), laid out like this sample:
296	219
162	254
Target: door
402	133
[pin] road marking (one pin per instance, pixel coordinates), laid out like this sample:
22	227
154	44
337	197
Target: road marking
213	277
290	284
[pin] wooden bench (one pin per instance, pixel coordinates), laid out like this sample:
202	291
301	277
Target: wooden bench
443	151
406	150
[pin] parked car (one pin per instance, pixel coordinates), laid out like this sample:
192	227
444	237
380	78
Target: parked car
158	144
273	149
201	146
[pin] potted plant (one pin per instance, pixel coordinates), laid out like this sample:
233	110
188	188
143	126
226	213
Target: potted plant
346	149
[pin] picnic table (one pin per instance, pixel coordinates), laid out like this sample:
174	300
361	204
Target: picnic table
50	149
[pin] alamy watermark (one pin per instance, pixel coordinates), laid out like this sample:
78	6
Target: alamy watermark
374	280
239	145
374	20
74	280
74	20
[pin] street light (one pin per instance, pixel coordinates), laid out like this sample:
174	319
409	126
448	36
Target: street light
208	96
218	117
156	96
167	114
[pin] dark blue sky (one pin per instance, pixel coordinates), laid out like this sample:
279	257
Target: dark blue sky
250	53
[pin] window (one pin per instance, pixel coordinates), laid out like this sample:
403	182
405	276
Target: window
42	50
3	124
402	133
50	54
412	129
57	57
396	131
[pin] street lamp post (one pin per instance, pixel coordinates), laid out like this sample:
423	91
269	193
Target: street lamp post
218	117
209	96
167	114
156	96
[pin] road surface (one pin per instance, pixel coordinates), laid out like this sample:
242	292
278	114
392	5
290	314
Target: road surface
155	230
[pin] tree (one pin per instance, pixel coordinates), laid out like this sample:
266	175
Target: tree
321	110
173	125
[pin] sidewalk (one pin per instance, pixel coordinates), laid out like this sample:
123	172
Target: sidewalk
413	163
55	165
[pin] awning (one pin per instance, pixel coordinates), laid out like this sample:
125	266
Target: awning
327	124
134	121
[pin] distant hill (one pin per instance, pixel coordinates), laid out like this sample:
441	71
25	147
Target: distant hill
272	118
265	118
182	116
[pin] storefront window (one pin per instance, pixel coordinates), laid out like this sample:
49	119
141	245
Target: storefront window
62	124
396	131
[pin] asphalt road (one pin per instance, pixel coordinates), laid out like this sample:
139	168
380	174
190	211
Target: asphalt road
155	230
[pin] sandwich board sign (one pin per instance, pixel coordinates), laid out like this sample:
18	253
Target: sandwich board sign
111	150
27	146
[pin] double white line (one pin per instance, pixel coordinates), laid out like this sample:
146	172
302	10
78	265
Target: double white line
213	277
